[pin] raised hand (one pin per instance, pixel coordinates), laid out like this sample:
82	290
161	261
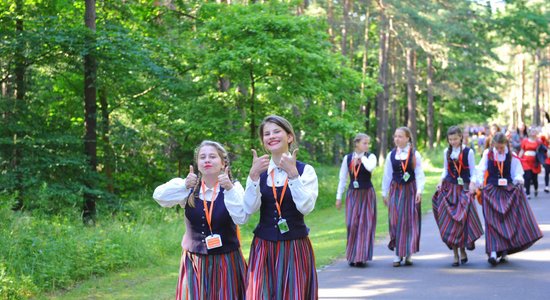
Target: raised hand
191	179
259	165
288	163
224	180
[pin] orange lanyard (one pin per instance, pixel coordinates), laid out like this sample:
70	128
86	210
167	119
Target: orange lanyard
500	166
404	166
208	211
459	168
355	168
278	203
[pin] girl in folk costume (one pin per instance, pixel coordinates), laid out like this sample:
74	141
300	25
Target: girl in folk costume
453	203
212	264
402	187
360	201
546	143
281	263
510	225
528	158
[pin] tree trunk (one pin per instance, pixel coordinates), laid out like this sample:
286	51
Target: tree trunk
411	91
536	114
430	109
90	111
343	44
20	91
108	153
381	98
252	109
521	99
364	67
330	19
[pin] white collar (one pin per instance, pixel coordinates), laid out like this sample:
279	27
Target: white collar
406	149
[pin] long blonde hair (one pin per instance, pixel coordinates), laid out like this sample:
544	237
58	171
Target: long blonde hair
224	155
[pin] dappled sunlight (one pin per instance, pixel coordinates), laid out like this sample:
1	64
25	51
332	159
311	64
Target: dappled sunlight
431	256
533	255
363	289
545	227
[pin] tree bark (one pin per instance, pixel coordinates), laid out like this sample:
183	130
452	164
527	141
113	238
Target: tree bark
330	19
430	109
19	95
381	98
108	153
537	114
364	67
90	111
411	91
343	44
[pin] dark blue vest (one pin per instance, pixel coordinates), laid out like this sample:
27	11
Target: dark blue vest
452	172
363	177
397	174
197	228
494	173
267	228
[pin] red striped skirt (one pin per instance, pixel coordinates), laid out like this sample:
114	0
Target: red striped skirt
211	277
361	224
281	270
509	222
404	219
456	216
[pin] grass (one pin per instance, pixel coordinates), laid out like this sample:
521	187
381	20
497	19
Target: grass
328	236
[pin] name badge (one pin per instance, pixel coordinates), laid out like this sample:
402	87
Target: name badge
502	182
213	241
355	184
406	176
460	181
283	226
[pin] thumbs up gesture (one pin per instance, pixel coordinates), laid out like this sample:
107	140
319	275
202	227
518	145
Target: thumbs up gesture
288	163
191	179
259	165
224	180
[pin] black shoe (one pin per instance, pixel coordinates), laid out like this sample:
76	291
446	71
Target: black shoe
464	260
503	260
408	262
360	264
351	264
536	193
396	264
492	261
546	190
455	264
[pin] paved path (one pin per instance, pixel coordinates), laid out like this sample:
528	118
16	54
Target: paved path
525	276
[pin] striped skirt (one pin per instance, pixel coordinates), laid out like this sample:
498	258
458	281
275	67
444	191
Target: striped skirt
509	222
211	277
404	219
361	224
281	270
456	215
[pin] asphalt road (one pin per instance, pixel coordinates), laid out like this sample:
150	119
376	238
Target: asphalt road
525	276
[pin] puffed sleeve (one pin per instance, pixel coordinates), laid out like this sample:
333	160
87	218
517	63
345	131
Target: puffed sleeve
387	178
342	178
234	202
419	173
305	189
172	193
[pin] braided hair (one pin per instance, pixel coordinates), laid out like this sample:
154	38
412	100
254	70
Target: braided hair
224	155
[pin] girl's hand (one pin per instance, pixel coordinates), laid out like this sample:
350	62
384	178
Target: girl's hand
288	163
386	201
259	165
438	187
224	180
191	179
472	188
418	198
338	204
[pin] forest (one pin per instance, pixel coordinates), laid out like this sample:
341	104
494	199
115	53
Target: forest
101	101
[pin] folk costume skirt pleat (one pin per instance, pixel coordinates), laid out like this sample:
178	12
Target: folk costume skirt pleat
404	219
456	216
281	270
212	277
510	225
360	224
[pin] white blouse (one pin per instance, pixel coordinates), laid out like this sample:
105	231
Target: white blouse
174	192
401	154
454	155
304	189
516	171
368	162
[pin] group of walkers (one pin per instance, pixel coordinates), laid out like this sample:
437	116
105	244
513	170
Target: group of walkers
497	181
281	262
